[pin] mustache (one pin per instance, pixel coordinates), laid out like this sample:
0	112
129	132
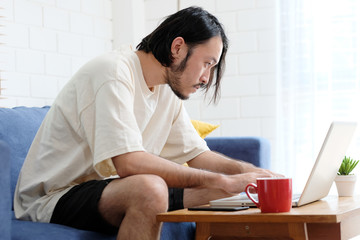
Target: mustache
201	85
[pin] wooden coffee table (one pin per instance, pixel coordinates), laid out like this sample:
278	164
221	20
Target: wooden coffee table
330	218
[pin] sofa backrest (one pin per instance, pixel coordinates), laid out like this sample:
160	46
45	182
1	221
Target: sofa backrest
18	127
5	199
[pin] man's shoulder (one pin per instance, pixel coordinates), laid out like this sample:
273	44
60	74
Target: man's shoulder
109	66
114	58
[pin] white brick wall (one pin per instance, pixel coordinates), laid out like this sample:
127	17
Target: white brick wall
46	42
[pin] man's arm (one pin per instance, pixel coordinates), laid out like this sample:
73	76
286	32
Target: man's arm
216	162
176	175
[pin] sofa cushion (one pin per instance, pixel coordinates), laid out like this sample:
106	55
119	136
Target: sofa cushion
18	127
25	230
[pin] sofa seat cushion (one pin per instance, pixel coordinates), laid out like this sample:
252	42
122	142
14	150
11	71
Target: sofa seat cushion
26	230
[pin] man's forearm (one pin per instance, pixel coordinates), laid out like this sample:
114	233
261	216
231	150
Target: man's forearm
204	171
174	174
219	163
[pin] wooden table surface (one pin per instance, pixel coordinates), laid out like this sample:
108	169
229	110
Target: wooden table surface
335	217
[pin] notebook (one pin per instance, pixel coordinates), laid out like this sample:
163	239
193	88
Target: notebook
323	173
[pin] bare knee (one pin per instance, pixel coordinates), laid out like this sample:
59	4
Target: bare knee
133	202
151	193
134	195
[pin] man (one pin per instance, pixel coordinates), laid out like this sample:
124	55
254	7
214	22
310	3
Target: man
108	156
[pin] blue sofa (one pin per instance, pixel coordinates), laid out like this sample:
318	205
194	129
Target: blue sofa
18	127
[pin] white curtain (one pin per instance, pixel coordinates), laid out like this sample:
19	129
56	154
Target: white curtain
318	79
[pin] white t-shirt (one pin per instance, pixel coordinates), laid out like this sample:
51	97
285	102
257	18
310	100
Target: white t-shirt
105	110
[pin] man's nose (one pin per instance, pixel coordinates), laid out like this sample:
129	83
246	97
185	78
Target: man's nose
205	77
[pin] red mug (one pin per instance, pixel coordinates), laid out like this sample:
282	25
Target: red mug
274	194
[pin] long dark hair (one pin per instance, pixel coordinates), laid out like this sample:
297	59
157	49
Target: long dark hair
196	26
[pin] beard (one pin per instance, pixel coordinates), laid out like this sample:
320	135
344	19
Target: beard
173	76
173	80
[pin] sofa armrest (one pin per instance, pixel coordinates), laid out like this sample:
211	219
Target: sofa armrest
5	199
255	150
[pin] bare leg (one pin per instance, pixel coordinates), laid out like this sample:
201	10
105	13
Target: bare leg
200	196
132	204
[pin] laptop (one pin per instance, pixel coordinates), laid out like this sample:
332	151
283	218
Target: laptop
323	173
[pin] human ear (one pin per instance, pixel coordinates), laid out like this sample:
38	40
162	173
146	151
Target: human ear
178	46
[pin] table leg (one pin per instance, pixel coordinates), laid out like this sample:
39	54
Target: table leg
298	231
202	231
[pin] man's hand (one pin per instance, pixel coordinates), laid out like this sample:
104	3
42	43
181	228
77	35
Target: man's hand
236	183
236	174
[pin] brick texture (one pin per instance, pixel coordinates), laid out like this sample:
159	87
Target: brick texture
46	42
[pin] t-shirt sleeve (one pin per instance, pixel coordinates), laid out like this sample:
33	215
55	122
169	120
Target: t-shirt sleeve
183	143
115	129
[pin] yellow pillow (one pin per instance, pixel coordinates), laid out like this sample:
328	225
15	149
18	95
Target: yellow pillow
203	128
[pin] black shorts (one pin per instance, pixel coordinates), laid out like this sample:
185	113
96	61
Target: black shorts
78	207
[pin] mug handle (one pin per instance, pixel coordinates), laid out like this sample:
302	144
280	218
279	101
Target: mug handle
247	188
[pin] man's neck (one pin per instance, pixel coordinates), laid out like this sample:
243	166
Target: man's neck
152	70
